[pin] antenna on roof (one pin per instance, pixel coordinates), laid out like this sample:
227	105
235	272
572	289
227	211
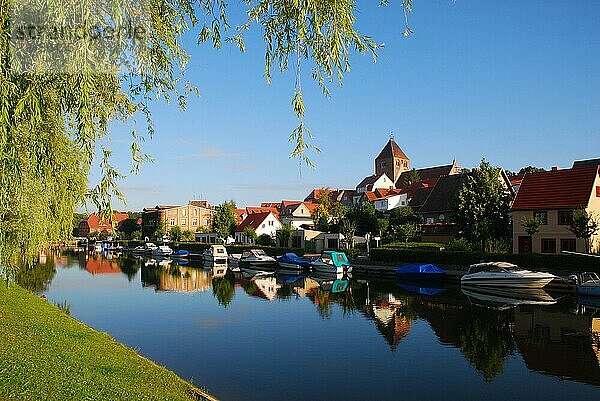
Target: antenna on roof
391	135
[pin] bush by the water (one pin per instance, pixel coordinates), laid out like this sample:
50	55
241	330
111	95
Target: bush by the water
459	245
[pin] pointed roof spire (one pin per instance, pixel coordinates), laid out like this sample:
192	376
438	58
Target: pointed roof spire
391	149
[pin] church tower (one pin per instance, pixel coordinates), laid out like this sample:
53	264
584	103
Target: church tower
392	161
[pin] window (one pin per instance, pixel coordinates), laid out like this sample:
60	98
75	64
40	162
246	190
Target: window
183	222
183	212
565	217
542	216
548	245
430	220
398	163
382	164
597	192
568	244
195	222
263	226
195	212
172	222
271	222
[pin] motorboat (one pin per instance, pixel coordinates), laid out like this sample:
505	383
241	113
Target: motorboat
332	262
180	254
257	258
420	272
503	274
291	261
148	247
215	254
505	298
588	284
234	258
163	250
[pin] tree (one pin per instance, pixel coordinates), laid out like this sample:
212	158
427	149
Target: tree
407	232
348	229
284	234
264	240
365	218
175	233
530	169
223	221
52	125
250	234
482	206
412	177
584	226
188	236
128	226
532	226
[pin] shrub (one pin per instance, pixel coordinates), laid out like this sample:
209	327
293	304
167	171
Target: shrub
459	245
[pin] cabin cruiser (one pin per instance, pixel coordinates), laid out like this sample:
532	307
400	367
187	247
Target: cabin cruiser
503	274
163	250
215	254
257	258
291	261
332	262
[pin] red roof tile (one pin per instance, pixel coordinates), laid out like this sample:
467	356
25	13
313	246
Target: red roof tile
556	189
390	149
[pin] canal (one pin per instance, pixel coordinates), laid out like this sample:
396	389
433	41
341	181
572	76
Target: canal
268	337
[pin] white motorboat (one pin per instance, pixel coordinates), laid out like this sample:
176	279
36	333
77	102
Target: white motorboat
163	250
215	254
332	262
257	258
502	274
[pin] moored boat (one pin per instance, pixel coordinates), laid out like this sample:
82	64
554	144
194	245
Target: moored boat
420	272
163	250
215	254
257	258
332	262
502	274
291	261
588	283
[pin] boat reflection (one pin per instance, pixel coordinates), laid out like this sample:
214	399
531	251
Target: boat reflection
173	277
506	298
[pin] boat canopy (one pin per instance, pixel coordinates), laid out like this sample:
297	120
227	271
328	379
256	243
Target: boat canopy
293	258
335	258
423	269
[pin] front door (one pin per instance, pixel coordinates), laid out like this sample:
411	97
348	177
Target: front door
524	244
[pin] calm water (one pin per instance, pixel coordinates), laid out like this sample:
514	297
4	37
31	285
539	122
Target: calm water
274	337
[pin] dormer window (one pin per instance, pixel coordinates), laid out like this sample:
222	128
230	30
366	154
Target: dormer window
382	164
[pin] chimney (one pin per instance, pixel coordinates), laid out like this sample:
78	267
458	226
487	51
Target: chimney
554	168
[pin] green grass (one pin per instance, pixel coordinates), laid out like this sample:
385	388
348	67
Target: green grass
46	355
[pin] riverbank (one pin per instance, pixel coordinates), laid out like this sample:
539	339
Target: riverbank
47	355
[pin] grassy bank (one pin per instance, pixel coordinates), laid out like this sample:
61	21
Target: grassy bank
454	258
46	355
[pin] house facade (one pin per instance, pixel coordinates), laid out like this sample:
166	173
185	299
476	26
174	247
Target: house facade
94	225
297	214
373	182
194	215
552	197
262	223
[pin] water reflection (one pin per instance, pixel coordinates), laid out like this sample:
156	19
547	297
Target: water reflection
555	337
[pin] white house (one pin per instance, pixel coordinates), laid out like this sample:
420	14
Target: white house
296	214
262	223
390	201
373	182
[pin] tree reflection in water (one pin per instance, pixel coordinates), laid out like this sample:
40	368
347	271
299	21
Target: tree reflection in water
130	266
224	289
37	278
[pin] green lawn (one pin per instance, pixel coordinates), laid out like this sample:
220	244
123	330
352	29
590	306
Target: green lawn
47	355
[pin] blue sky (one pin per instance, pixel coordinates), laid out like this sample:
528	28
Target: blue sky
515	82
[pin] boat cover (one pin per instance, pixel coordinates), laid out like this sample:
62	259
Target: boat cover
293	258
420	269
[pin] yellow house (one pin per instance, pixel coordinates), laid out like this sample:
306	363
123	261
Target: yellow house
551	197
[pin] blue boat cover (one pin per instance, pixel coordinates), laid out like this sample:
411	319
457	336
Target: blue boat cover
182	252
420	269
293	258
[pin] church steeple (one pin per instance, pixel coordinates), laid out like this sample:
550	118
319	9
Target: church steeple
391	160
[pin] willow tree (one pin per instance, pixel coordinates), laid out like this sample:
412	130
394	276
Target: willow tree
56	105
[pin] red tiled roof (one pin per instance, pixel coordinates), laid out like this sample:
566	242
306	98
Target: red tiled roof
95	224
253	220
311	206
101	266
556	189
254	210
315	194
390	149
370	195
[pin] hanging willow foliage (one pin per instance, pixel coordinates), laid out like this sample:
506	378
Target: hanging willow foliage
55	110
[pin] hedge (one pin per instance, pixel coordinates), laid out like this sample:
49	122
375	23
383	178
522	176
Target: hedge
531	261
